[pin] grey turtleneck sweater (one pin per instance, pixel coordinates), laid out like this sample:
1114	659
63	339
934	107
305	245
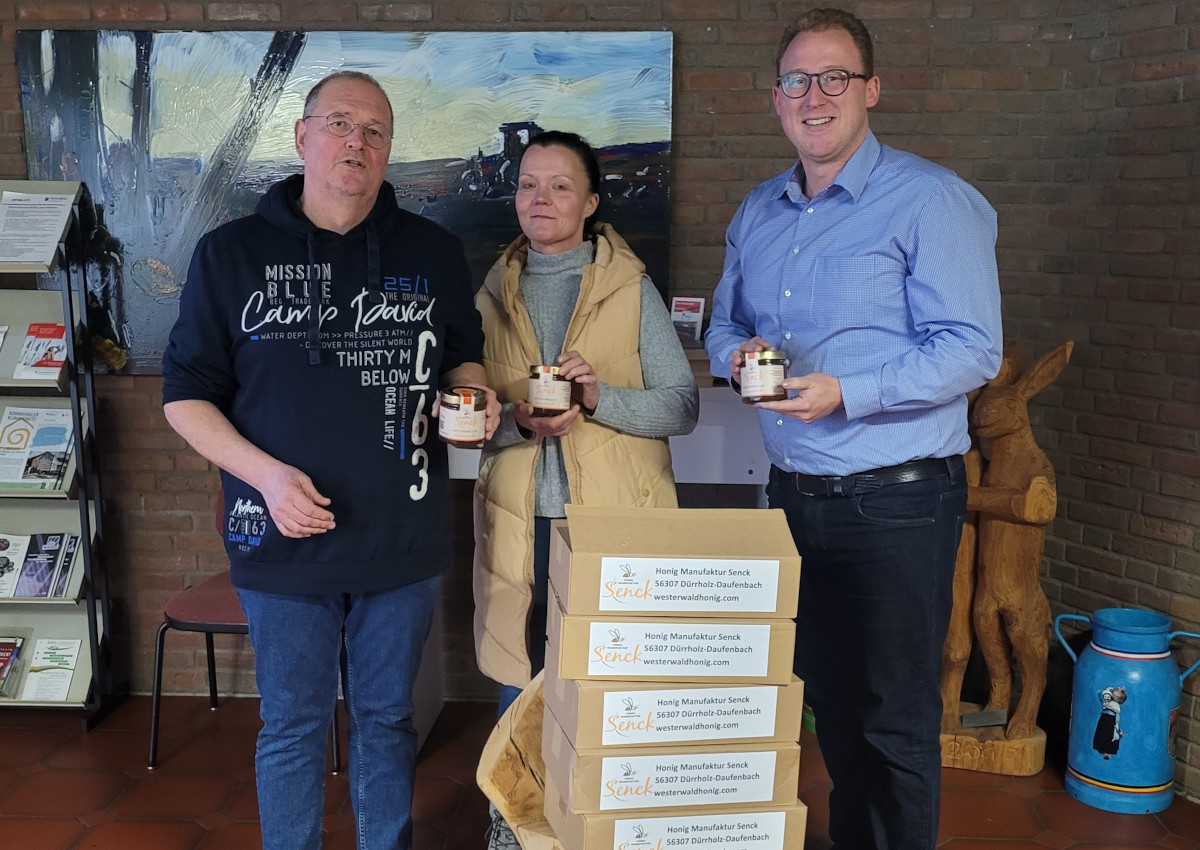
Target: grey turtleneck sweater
669	404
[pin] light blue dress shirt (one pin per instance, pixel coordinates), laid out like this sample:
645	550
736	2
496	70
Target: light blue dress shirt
885	280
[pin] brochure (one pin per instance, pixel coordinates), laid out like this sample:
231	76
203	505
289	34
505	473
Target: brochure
10	653
42	558
50	669
12	557
63	575
44	352
687	314
35	447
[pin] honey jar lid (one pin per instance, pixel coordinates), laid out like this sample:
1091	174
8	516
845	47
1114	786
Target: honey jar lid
765	355
543	370
466	395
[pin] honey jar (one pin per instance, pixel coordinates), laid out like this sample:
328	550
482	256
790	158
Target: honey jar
462	419
549	391
762	377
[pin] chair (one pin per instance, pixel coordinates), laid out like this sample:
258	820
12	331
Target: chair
211	607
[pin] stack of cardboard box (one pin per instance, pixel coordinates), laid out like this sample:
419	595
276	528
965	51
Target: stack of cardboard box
672	715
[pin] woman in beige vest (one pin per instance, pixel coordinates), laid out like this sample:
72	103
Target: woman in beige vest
574	296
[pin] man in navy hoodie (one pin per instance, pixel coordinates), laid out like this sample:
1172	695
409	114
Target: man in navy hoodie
311	342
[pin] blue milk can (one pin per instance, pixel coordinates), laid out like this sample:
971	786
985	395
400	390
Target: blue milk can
1126	690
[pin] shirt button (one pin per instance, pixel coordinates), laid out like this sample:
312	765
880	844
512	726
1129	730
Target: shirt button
788	293
809	210
787	335
795	249
780	422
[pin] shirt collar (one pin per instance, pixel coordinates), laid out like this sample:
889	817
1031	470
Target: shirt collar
852	177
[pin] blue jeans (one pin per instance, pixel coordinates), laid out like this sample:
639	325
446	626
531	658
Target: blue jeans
536	637
298	646
875	595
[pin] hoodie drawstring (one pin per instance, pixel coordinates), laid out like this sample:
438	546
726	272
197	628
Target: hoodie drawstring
374	285
314	307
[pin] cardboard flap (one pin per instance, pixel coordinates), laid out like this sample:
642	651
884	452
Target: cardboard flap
680	532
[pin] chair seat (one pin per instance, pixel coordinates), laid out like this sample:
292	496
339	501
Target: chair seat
210	606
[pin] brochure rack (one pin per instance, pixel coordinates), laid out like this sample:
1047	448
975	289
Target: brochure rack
73	504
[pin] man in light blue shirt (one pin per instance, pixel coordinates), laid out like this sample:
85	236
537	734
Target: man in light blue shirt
874	271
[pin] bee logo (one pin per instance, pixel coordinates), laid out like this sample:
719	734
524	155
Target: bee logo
629	704
616	635
626	769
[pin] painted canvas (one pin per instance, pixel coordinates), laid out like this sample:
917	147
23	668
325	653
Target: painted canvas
177	132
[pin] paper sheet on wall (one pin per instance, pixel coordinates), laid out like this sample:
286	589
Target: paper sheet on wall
50	670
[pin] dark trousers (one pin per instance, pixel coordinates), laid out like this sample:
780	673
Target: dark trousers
875	597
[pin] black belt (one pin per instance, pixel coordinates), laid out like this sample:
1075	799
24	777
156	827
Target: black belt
865	482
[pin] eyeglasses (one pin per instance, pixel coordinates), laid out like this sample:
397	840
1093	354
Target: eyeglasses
833	82
340	124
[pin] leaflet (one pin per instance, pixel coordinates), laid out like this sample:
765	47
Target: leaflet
50	670
35	447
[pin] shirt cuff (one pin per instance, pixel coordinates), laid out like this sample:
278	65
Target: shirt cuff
860	395
597	413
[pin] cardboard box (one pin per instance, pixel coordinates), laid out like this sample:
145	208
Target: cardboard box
716	775
701	650
752	828
538	835
595	714
670	562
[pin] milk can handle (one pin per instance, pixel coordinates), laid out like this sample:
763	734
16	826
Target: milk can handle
1189	671
1067	646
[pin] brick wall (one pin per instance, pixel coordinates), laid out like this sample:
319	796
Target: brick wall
1076	118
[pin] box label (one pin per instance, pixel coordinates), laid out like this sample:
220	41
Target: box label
746	831
688	584
678	649
629	782
672	716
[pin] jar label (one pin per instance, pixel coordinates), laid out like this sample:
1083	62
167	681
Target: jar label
464	424
680	716
696	585
547	391
762	379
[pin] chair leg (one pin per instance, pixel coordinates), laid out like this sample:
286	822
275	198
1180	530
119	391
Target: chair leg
152	762
212	671
334	730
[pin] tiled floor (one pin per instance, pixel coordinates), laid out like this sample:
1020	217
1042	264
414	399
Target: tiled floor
61	788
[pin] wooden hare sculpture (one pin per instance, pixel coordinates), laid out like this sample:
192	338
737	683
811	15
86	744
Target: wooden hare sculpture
1016	500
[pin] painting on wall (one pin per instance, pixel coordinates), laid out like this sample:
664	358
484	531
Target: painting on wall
175	133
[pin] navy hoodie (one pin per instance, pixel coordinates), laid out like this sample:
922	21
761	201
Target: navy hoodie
342	392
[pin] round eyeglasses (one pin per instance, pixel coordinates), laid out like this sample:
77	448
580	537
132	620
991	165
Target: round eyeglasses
340	124
833	82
